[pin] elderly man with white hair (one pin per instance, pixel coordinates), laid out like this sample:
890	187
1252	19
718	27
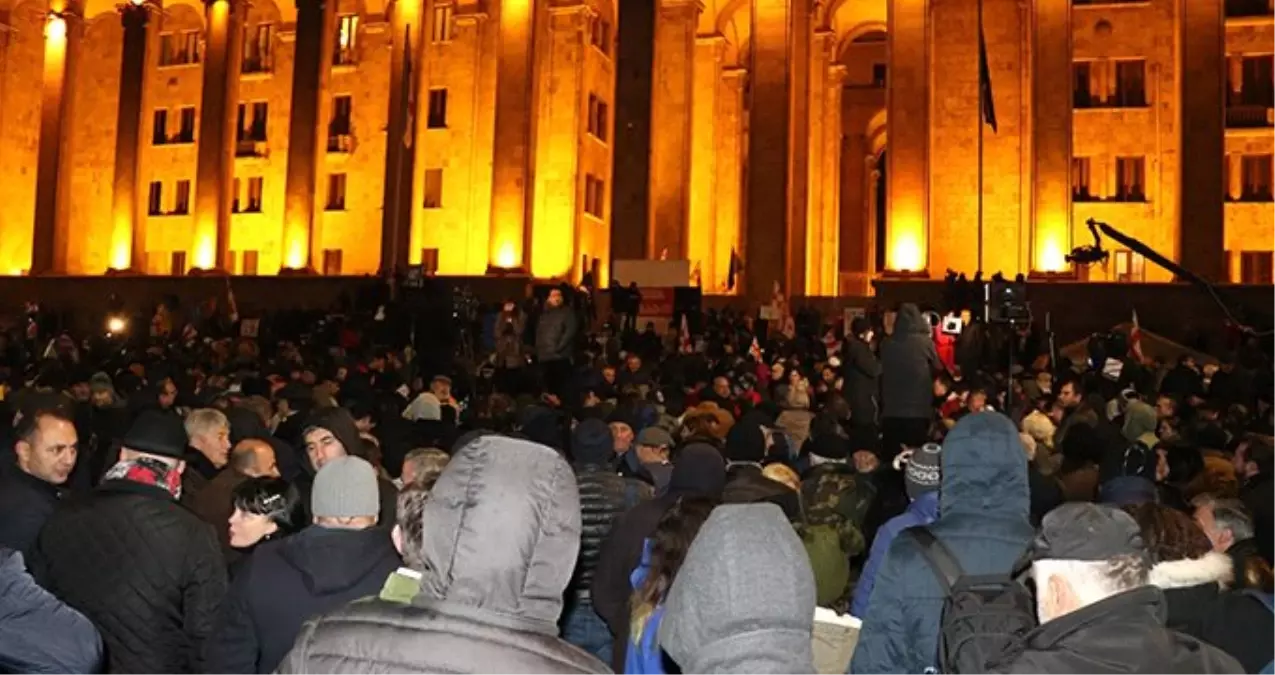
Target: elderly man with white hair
1098	612
208	451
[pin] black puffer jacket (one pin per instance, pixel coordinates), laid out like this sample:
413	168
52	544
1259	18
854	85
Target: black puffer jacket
147	572
604	495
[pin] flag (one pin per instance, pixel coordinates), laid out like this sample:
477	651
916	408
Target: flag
1135	339
987	104
409	86
684	336
733	271
755	350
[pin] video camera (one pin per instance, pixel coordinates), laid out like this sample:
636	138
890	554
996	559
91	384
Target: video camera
1006	302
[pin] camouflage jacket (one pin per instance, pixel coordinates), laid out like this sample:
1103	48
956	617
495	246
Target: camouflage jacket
835	494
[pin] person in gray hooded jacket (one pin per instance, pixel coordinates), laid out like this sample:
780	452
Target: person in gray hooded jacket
499	548
744	600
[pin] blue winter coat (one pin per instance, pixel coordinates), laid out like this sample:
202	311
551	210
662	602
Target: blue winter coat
922	511
983	519
39	634
643	653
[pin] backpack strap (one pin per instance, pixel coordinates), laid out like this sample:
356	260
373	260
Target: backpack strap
946	569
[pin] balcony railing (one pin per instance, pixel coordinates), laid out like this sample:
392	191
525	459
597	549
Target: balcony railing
342	143
1238	9
250	148
1249	117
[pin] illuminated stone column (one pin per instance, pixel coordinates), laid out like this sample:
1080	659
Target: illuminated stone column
701	232
728	178
405	105
515	77
1235	176
816	202
1202	129
831	261
559	183
315	43
907	143
63	30
1051	135
128	233
777	147
672	104
214	174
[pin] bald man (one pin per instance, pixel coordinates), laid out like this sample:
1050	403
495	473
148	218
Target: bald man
254	458
250	458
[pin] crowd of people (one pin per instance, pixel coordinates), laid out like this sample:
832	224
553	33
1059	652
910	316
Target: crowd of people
745	497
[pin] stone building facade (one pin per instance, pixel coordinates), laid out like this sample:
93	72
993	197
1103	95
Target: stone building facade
820	144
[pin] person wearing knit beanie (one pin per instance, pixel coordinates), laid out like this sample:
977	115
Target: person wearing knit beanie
592	443
924	471
345	487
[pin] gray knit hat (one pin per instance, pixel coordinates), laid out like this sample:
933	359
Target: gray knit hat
345	488
925	470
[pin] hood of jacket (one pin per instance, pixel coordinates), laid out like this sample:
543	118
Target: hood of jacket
503	535
341	424
331	560
744	600
984	468
1212	567
909	321
1139	420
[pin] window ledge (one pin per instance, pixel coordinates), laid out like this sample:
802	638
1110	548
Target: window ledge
256	75
1111	4
175	66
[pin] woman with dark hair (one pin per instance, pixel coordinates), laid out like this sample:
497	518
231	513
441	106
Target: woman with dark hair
662	556
265	509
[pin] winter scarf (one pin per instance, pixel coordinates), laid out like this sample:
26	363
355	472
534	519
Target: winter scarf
147	471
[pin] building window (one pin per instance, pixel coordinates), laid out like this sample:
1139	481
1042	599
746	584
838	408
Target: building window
1257	267
441	28
177	263
159	131
179	49
154	199
342	109
437	109
598	114
1131	179
186	133
594	194
255	186
181	202
336	192
234	196
332	261
1080	180
1129	267
1247	8
1257	80
260	113
433	189
879	71
1255	178
247	263
256	48
346	36
1109	84
600	35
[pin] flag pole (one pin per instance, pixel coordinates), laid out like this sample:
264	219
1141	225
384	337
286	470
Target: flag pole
981	121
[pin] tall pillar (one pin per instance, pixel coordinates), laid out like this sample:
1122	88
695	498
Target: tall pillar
515	78
316	33
907	143
214	174
1202	130
777	171
1235	176
831	261
556	212
701	234
1051	135
63	30
816	240
729	178
672	109
128	233
400	137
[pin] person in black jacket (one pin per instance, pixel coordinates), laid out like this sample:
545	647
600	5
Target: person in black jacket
862	373
46	452
344	557
330	433
147	572
604	495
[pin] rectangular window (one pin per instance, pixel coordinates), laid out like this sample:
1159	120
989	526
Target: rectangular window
248	261
594	194
256	48
1256	267
241	123
1258	80
190	46
598	114
255	186
1131	179
437	109
1109	84
181	202
600	35
186	134
332	261
342	109
1255	178
1080	94
177	263
1131	84
179	49
159	124
441	28
1129	267
879	71
1080	180
347	32
167	49
234	196
336	192
260	113
155	199
433	197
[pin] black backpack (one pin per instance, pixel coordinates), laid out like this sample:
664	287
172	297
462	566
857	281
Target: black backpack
985	618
